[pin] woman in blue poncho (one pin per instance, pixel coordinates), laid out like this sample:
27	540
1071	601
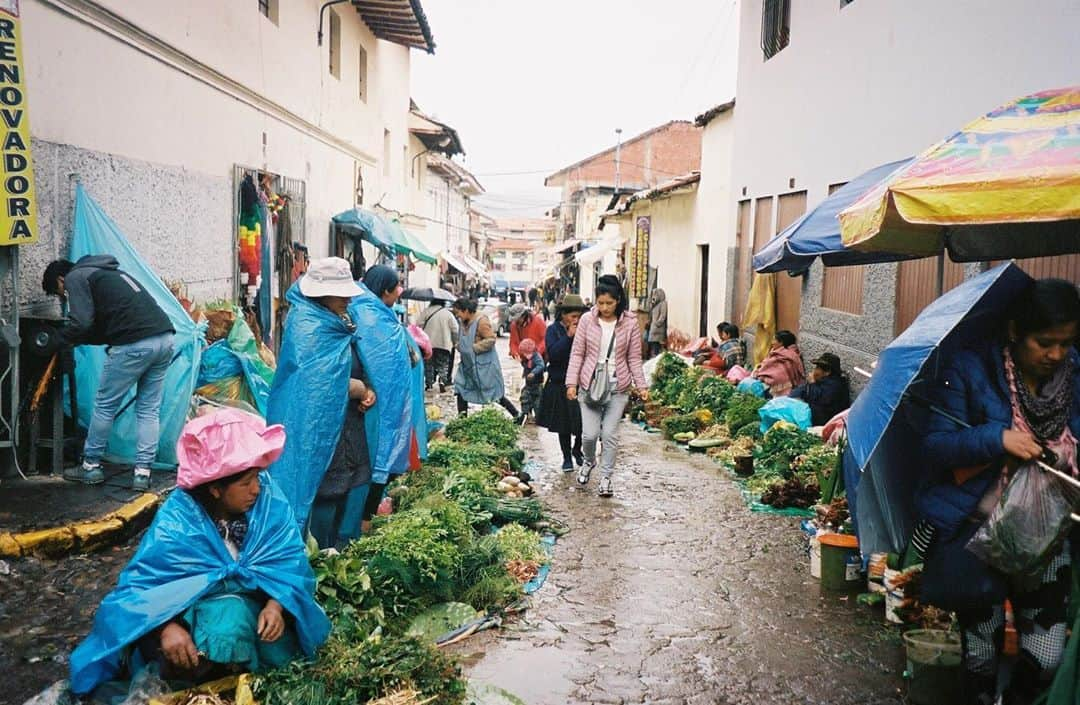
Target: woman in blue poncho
322	394
220	582
396	425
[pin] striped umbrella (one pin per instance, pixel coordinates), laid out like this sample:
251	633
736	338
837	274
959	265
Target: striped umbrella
1006	185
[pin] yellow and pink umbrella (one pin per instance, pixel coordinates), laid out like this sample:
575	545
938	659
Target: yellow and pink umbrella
1006	185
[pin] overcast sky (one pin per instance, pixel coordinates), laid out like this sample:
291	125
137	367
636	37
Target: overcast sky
536	86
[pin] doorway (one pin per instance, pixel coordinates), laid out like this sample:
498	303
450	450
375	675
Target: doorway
788	288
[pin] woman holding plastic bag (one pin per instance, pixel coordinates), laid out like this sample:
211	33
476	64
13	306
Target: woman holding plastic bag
1012	402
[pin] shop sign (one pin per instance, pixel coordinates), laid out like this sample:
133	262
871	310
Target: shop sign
18	204
639	259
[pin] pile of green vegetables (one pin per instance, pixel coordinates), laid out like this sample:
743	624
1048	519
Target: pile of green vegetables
437	547
790	465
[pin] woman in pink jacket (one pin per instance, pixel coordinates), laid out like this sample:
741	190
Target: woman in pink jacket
608	341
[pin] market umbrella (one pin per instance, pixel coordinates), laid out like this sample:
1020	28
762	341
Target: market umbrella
817	232
407	243
366	225
1006	185
428	293
883	454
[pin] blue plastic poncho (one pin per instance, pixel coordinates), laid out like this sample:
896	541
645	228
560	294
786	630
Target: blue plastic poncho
384	347
183	558
308	397
96	234
238	356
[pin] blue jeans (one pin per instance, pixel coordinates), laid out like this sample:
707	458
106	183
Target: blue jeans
142	365
602	423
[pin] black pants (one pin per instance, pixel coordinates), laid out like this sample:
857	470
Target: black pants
438	366
570	446
655	349
463	406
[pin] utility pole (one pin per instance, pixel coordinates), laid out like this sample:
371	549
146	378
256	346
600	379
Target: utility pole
618	154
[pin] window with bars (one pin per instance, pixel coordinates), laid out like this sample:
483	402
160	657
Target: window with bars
775	26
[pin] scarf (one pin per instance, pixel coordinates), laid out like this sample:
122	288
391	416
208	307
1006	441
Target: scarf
1045	414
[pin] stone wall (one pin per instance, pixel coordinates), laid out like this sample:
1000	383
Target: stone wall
179	221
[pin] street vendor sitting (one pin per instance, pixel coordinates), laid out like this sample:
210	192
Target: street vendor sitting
730	351
220	582
827	392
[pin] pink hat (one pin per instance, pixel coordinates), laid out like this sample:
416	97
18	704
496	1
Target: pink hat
225	443
527	347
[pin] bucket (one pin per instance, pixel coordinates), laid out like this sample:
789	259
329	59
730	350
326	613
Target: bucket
841	564
894	597
933	667
744	465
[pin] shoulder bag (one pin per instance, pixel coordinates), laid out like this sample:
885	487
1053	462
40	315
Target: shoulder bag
599	391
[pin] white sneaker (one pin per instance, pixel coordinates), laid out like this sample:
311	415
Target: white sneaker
584	472
140	479
604	490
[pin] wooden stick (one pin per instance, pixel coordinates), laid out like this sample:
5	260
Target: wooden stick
43	383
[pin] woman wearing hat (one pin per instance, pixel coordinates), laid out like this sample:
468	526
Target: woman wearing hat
221	581
557	413
524	323
828	392
321	396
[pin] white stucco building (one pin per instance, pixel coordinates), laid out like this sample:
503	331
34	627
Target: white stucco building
828	89
161	108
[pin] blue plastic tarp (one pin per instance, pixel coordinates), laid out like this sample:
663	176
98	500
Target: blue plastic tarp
182	558
384	346
308	396
817	233
96	234
794	411
368	226
883	456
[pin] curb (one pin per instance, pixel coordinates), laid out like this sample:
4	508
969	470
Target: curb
83	536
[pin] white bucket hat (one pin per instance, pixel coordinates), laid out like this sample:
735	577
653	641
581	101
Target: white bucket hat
329	276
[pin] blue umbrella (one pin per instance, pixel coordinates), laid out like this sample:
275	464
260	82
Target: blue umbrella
817	232
882	458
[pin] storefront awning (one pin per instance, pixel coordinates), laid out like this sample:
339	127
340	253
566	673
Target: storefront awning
596	252
459	263
565	245
408	244
476	265
366	225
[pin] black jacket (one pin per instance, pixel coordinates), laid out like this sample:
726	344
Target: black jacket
826	398
108	307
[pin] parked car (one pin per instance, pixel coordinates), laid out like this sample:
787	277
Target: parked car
496	311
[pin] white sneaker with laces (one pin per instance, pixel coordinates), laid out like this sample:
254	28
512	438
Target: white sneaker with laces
604	490
584	472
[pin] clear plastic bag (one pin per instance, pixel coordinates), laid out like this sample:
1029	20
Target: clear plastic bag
1027	524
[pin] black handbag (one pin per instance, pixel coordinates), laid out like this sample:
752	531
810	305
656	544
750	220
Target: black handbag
955	579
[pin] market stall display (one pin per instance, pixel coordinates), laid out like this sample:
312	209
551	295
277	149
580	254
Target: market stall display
455	554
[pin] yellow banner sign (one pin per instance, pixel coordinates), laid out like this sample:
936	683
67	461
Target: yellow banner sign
18	205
